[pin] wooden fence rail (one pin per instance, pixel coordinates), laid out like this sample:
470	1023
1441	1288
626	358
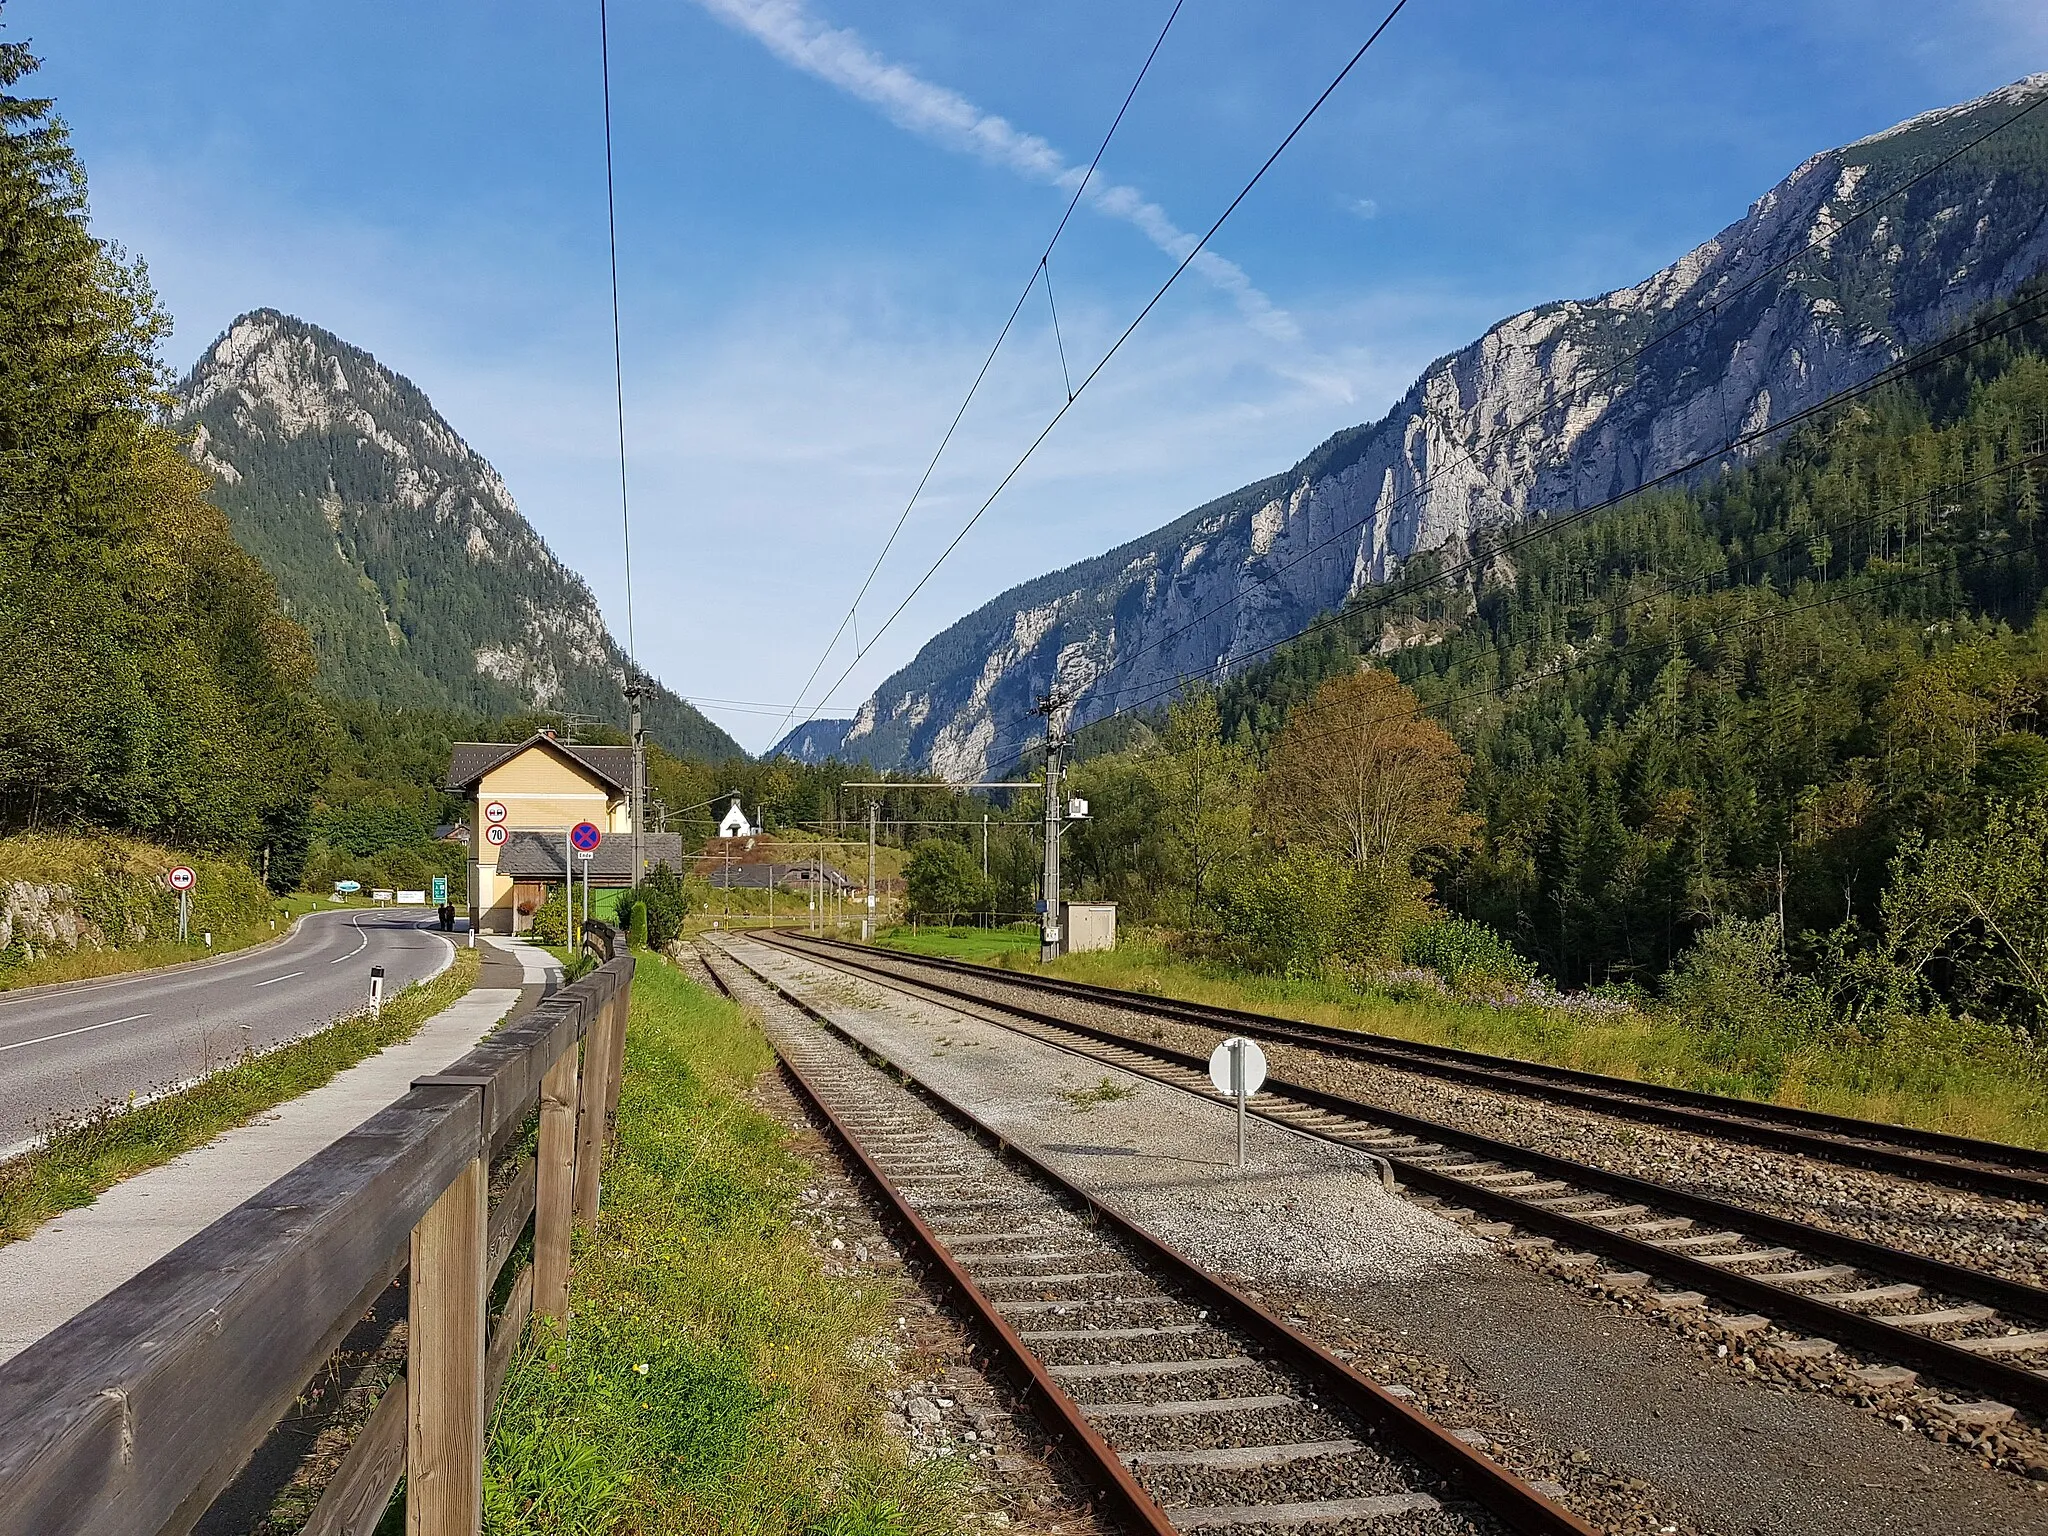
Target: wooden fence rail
132	1417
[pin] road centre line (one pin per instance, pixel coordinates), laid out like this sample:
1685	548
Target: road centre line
66	1034
273	981
363	939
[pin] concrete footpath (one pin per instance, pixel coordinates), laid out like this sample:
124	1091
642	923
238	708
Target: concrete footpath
73	1260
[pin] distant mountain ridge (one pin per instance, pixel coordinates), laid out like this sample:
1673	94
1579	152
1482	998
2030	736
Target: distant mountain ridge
1520	423
396	545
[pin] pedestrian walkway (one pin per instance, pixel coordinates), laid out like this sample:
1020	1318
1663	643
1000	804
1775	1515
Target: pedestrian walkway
73	1260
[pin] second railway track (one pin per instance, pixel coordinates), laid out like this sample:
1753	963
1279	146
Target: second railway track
1983	1167
1196	1407
1903	1312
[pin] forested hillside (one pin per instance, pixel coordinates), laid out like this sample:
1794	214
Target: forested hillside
396	544
152	682
1816	686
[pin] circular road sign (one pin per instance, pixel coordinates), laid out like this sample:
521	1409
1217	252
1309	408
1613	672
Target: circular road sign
181	878
494	813
585	836
495	836
1254	1067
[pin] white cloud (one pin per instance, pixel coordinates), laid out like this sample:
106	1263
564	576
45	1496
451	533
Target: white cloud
1360	207
840	57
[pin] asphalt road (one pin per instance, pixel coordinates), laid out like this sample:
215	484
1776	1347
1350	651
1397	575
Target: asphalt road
65	1053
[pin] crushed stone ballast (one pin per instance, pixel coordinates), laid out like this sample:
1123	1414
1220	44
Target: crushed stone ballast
1198	1407
1952	1322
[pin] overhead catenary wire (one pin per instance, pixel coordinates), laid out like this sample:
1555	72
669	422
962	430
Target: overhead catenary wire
981	375
1464	453
2019	312
1116	346
611	217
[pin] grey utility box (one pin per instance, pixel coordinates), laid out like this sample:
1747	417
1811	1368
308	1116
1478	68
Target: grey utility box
1086	925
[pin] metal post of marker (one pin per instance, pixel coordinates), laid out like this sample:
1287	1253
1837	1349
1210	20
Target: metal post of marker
184	917
377	989
1238	1068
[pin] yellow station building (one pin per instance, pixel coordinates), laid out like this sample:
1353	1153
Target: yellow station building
524	799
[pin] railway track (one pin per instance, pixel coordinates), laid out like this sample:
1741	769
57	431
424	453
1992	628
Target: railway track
1982	1167
1192	1406
1902	1312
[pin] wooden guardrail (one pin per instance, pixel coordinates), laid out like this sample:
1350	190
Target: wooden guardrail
132	1417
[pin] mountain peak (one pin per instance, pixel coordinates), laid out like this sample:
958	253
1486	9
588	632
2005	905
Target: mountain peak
396	543
1550	410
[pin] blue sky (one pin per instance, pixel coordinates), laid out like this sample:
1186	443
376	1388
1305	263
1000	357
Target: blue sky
822	225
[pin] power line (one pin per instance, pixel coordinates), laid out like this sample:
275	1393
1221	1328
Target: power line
1186	261
1465	453
611	218
1989	329
986	363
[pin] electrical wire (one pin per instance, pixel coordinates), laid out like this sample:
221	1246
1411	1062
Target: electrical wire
1186	261
611	218
1462	453
1989	329
973	389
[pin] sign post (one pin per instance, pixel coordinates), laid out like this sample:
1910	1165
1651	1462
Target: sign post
584	837
1238	1067
182	880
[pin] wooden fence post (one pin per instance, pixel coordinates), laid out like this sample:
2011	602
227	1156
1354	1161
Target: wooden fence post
445	1362
555	1196
590	1128
621	1008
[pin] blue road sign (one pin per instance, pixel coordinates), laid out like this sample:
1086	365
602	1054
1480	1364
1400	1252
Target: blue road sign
586	837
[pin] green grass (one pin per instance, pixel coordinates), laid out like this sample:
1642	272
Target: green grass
89	1156
712	1378
964	943
1965	1079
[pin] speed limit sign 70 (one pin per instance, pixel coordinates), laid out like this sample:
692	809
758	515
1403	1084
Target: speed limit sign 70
495	836
181	879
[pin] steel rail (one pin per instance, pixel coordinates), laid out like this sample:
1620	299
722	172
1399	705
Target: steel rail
1489	1484
2012	1384
1983	1167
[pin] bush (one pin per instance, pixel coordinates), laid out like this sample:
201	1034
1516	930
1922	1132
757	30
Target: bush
551	920
636	925
659	906
944	881
1751	1010
1462	952
1306	914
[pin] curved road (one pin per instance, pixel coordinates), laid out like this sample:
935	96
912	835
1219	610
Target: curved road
65	1053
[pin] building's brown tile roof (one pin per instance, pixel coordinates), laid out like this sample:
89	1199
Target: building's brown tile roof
471	760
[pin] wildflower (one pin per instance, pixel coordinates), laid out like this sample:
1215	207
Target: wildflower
641	1367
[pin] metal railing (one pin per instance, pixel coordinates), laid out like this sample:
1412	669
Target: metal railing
131	1418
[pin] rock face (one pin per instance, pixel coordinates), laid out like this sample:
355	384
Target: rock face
395	543
1543	413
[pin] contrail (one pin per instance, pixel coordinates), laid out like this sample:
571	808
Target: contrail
840	57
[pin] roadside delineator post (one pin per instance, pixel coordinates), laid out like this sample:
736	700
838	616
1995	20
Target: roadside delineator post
377	989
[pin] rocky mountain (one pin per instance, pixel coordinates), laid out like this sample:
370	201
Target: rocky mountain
1542	414
395	543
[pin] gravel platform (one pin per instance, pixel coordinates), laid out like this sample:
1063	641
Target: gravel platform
1987	1232
1640	1426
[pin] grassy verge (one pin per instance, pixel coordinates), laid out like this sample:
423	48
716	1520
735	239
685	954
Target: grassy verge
964	943
1964	1079
92	1155
712	1378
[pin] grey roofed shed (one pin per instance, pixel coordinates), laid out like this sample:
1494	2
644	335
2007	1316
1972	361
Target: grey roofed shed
537	855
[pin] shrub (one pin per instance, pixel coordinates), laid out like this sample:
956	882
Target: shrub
551	919
944	880
661	903
1306	914
1751	1010
636	925
1462	951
